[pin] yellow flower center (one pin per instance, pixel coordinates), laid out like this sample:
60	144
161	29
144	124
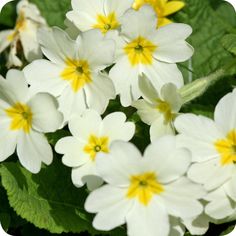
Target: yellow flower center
20	25
105	23
140	51
95	145
21	116
77	72
165	109
227	148
143	187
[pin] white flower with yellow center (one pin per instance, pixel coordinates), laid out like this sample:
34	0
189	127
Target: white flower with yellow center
98	14
24	119
213	146
143	49
73	73
91	135
158	110
144	192
28	22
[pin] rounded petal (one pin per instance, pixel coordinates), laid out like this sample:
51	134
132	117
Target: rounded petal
180	198
172	7
210	173
99	92
160	73
136	23
72	148
44	76
230	187
168	161
116	127
111	205
46	117
4	42
119	7
148	220
225	112
32	149
86	124
114	167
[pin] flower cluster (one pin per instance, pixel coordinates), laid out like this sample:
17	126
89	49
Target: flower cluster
124	50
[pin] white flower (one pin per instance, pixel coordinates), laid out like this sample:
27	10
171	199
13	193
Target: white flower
143	49
98	14
91	135
144	192
213	146
24	34
73	73
23	120
158	110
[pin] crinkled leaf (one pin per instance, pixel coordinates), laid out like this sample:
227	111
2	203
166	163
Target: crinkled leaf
229	43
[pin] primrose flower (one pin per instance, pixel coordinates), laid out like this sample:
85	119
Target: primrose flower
144	191
91	135
143	49
73	73
213	146
98	14
23	35
24	119
158	110
163	8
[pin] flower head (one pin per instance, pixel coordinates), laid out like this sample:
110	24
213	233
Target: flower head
24	34
73	73
144	191
163	8
24	119
98	14
212	144
91	135
143	49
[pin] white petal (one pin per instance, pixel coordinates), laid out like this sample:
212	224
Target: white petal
160	73
32	149
4	42
139	23
71	103
99	92
57	46
181	196
72	148
177	229
116	127
115	167
123	82
147	111
119	7
161	127
46	117
111	205
194	136
86	124
230	187
225	112
29	41
44	76
151	220
166	159
210	173
97	50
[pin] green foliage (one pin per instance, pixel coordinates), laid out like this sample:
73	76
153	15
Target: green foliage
54	11
229	43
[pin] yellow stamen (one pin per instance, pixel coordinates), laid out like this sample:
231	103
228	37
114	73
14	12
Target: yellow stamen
144	186
140	51
95	145
21	116
227	148
165	109
77	72
106	23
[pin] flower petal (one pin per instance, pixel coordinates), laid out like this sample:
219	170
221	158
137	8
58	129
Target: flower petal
172	7
4	42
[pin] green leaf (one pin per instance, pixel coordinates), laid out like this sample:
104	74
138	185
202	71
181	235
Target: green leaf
208	29
229	43
54	11
8	15
48	199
